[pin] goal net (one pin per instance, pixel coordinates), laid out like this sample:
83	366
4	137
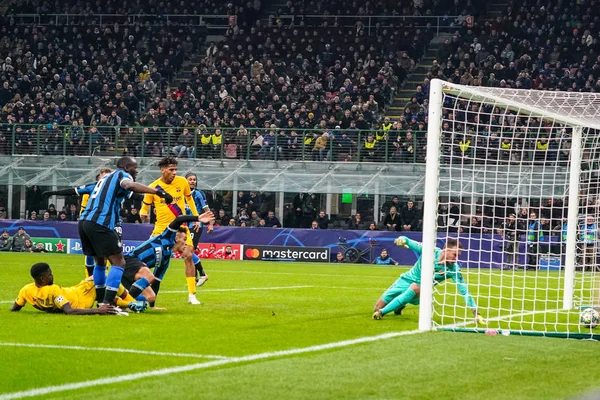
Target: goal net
514	175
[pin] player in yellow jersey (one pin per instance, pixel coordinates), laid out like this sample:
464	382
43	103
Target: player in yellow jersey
179	188
44	295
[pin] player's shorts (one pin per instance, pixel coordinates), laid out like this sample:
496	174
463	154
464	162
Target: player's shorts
195	237
98	240
132	266
85	294
399	287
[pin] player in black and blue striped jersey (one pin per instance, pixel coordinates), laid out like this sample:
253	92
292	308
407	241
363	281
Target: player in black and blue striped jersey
99	228
156	253
201	204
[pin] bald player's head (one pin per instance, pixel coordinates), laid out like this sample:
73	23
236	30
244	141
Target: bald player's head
128	164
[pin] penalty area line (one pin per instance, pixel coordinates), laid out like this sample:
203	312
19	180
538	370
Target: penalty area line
199	366
112	349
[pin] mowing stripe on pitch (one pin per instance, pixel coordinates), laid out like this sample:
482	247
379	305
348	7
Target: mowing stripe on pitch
111	349
240	289
215	363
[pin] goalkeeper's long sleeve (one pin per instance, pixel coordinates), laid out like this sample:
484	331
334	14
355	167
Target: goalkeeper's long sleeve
413	245
462	286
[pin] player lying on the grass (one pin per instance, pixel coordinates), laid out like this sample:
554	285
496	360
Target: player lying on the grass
407	288
201	204
44	295
156	253
179	188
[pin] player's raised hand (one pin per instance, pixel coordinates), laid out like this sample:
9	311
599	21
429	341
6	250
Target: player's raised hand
168	198
206	217
400	241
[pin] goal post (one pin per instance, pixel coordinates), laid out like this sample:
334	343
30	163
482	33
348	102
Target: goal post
515	176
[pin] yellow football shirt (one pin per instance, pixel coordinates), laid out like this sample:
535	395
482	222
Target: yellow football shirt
166	213
84	200
52	298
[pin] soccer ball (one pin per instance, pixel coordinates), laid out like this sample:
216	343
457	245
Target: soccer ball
589	318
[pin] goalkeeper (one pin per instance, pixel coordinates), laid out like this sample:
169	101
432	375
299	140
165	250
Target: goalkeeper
407	288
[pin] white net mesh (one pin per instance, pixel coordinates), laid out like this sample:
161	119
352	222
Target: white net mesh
505	160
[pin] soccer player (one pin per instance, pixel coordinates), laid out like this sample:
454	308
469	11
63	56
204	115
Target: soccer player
407	288
99	228
179	188
156	253
201	204
44	295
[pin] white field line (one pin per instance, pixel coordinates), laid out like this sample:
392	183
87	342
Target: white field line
500	318
239	289
237	271
112	349
215	363
6	301
202	365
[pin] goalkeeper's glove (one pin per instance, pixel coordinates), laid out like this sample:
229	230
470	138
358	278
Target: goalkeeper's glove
161	193
480	321
400	242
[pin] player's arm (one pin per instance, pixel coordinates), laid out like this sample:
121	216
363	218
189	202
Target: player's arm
78	191
67	309
205	208
184	219
20	301
147	201
189	199
127	183
407	243
463	289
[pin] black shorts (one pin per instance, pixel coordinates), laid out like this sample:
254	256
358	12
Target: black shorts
195	237
132	266
98	240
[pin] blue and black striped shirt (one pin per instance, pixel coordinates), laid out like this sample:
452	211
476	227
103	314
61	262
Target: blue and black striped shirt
105	201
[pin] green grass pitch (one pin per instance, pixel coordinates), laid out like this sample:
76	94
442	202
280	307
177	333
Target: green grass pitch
245	342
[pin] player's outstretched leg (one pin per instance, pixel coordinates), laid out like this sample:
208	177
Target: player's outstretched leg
395	299
190	274
201	276
113	279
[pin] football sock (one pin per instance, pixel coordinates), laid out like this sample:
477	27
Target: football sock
141	297
99	275
155	287
191	284
198	266
138	287
89	266
113	280
399	302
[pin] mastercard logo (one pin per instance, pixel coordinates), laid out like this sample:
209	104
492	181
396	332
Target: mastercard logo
252	253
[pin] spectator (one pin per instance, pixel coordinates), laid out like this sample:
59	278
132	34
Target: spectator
271	221
46	217
185	145
39	248
385	259
62	217
410	216
34	200
2	212
232	222
395	202
323	220
356	222
53	213
392	220
254	219
339	258
19	239
372	226
243	217
314	225
73	213
5	241
262	223
222	219
33	216
134	216
27	246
